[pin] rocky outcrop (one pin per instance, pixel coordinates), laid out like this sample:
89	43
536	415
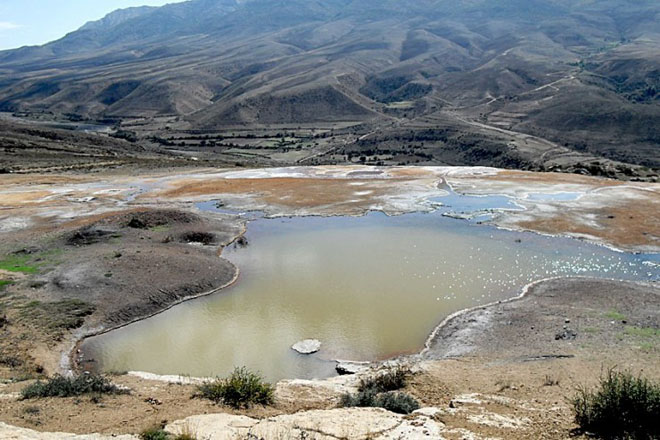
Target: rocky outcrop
354	423
8	432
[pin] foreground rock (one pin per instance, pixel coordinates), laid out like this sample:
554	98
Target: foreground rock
347	367
308	346
354	423
8	432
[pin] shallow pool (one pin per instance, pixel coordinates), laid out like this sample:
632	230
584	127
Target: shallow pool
368	288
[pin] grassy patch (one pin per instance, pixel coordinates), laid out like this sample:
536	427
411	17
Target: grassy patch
59	386
18	263
623	406
642	332
615	316
4	284
29	263
160	228
240	390
647	346
67	314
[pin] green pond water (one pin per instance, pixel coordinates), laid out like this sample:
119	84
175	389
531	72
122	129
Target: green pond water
368	288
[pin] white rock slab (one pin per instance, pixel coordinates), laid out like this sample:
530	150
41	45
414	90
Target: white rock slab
8	432
353	423
308	346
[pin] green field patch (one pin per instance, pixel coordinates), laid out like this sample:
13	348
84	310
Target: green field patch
401	105
642	332
29	263
5	283
18	263
160	228
615	316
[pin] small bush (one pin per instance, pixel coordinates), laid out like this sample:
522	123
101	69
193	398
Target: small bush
400	403
397	402
391	380
550	381
623	406
240	390
156	433
59	386
367	398
377	391
31	410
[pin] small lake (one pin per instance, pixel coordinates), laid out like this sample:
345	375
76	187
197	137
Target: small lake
368	287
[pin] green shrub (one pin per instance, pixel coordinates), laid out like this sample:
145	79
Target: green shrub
377	391
366	398
240	390
391	380
397	402
59	386
401	403
623	406
156	433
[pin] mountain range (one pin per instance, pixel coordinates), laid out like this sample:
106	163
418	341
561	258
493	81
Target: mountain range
581	75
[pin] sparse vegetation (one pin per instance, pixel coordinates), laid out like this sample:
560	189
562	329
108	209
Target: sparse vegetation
622	407
379	391
59	386
31	410
503	385
397	402
615	316
58	316
642	332
18	263
241	389
550	381
4	284
29	261
158	433
155	433
391	380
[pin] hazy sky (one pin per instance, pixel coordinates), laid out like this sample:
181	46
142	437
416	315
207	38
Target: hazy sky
29	22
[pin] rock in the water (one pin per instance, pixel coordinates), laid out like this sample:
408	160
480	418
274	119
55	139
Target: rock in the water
308	346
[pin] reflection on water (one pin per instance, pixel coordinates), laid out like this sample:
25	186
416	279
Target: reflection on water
368	288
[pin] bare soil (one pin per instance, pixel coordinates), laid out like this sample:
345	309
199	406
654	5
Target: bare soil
122	266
